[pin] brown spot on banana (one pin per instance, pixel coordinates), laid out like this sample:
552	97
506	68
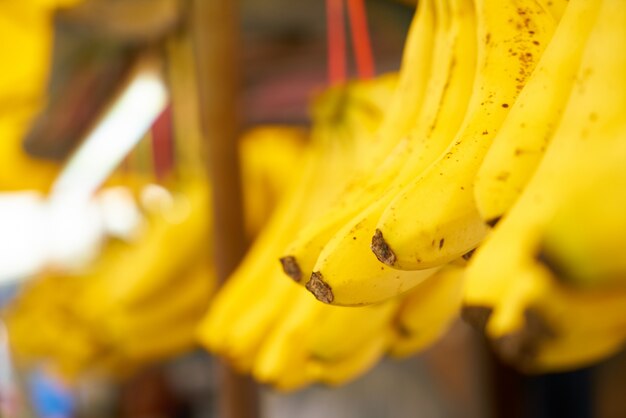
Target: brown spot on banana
320	289
493	221
291	267
381	249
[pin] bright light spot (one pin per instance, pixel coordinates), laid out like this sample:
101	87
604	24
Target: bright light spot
118	132
156	199
22	218
120	213
75	231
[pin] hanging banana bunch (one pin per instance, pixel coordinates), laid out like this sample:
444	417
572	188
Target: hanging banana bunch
549	295
140	302
509	108
292	341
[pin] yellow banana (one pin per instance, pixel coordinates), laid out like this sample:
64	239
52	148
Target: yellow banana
90	319
343	370
427	311
583	241
26	31
157	347
303	252
505	276
240	317
556	7
543	325
524	135
434	219
187	300
321	343
268	155
283	353
346	272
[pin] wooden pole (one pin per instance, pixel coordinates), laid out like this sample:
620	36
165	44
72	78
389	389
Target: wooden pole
215	36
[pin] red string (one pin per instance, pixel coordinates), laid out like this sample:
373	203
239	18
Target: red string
336	41
162	143
361	39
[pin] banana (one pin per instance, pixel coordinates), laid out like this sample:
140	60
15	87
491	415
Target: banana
60	336
333	345
346	273
341	371
28	33
322	343
582	242
187	300
240	318
111	318
154	347
282	356
303	251
505	277
544	325
434	219
131	275
268	156
521	141
250	276
555	7
427	311
26	30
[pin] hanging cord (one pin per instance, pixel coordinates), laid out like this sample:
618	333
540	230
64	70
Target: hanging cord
163	158
361	39
336	38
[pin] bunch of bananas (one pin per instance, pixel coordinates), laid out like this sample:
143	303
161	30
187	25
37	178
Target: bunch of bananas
549	280
504	132
113	316
268	326
506	118
140	301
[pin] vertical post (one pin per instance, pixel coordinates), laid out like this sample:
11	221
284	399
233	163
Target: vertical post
215	37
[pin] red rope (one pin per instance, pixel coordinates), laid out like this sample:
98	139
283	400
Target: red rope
336	41
361	39
162	152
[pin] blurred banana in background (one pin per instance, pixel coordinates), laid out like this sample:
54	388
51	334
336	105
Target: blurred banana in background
140	301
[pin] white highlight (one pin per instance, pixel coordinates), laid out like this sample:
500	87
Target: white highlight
119	131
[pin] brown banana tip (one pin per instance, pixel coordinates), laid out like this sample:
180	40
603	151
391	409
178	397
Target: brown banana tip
320	289
468	255
291	267
493	221
476	316
402	331
556	268
523	346
516	349
381	249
